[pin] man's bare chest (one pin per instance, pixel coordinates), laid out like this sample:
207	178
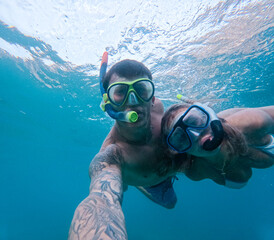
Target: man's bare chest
140	165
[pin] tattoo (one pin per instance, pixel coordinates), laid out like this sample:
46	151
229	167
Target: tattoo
97	219
100	215
110	156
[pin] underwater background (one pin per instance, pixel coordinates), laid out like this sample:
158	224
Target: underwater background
51	125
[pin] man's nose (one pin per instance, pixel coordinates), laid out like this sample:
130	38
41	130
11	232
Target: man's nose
132	99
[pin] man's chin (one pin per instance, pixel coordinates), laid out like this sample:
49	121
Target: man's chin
141	122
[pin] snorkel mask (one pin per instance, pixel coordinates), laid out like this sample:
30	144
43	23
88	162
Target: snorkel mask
191	124
133	92
126	116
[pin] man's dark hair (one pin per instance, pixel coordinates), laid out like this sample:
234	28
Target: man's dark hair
128	69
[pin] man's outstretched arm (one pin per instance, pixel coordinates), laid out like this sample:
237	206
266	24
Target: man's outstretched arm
100	215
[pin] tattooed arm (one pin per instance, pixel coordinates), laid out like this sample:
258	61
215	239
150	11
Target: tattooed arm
100	215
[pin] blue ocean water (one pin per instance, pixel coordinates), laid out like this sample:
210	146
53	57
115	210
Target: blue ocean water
51	125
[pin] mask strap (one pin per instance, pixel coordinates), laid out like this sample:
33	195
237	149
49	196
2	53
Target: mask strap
218	136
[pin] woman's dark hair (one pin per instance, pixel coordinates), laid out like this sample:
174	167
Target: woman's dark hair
174	162
128	69
234	140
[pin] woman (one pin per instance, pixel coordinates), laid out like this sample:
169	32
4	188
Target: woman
223	148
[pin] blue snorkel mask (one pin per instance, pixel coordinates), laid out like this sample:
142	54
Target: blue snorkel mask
191	124
126	116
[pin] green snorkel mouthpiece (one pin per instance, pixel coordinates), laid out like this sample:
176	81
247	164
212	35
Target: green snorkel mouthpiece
132	116
126	116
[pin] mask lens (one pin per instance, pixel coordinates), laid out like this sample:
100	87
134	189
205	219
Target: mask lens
144	89
196	118
179	140
117	93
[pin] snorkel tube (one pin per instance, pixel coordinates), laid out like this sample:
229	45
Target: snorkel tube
215	124
218	136
217	130
126	116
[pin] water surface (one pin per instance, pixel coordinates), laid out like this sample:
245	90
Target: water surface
51	125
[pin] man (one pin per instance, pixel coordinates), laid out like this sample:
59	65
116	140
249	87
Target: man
129	155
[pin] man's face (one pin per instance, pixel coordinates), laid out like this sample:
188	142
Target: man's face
133	103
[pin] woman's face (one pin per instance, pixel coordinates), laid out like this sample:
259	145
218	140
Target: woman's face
197	136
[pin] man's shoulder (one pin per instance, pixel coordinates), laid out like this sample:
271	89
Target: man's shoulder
158	106
110	153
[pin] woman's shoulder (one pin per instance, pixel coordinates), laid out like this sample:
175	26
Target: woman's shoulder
254	123
248	118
